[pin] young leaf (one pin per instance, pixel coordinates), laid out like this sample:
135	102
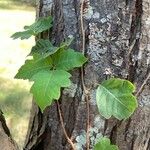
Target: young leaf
47	86
32	67
114	98
39	26
44	48
104	144
23	35
68	59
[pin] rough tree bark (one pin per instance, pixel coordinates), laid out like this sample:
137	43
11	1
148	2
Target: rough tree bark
117	44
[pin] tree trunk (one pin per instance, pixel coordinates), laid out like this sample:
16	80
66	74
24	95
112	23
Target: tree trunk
117	40
6	141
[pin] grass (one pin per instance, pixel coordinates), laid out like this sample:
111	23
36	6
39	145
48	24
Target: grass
13	95
16	5
15	99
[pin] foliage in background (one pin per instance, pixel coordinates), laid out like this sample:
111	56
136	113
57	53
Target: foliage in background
15	102
13	96
29	2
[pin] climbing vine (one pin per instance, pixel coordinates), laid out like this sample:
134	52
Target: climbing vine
48	66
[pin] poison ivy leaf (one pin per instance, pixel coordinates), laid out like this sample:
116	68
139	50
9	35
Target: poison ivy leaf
39	26
44	48
114	98
47	86
104	144
23	35
68	59
32	67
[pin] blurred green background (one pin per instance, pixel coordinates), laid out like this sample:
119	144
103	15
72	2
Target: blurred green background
17	4
15	99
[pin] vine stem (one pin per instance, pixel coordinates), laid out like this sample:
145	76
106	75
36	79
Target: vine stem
142	86
82	77
63	127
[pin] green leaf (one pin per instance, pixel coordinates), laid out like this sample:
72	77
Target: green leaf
47	86
32	67
104	144
39	26
68	59
44	48
114	98
23	35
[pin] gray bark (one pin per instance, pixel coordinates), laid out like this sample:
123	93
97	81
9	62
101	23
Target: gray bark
117	44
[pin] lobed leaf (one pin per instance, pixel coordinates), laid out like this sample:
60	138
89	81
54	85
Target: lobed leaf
44	48
104	144
31	67
68	59
114	98
47	86
23	35
37	27
40	25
